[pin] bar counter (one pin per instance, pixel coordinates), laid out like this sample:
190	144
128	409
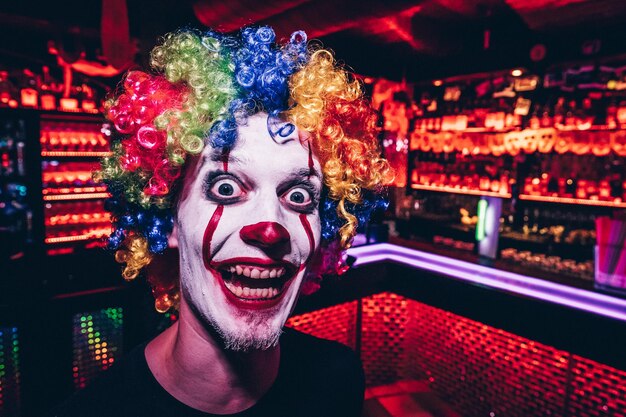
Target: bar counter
485	340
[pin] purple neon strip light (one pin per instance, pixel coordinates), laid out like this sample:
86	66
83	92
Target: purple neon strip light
577	298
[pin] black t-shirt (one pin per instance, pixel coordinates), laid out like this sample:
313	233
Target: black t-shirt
316	377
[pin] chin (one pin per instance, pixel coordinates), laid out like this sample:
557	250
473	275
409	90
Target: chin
245	322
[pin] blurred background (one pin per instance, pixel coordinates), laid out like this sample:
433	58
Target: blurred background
494	284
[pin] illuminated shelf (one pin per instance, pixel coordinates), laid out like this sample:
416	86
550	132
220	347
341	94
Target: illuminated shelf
444	189
564	200
58	154
81	196
73	190
77	238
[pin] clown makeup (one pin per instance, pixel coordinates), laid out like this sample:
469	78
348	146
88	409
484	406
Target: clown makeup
247	225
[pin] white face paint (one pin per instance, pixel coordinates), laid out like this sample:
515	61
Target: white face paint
247	225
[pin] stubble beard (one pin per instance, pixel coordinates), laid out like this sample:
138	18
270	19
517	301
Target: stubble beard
254	331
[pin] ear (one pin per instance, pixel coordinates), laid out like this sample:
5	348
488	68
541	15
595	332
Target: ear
172	239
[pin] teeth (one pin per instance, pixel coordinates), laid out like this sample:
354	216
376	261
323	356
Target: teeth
252	293
256	273
238	291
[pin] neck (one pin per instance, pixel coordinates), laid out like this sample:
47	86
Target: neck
190	363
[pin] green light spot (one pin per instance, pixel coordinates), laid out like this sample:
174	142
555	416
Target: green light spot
482	218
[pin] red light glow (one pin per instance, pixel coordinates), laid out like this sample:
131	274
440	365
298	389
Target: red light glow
82	196
69	104
71	154
74	190
92	234
580	201
475	368
454	190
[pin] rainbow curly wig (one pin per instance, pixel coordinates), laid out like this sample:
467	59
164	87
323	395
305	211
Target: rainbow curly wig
202	87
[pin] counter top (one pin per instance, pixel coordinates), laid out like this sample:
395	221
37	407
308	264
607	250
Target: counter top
492	278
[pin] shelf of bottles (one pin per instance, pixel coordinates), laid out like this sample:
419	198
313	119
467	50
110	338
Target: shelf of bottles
16	214
26	89
74	201
461	174
553	146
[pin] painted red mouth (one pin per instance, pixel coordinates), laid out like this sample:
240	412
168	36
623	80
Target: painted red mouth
254	283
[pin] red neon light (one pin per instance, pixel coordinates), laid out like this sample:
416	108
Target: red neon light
74	190
60	251
565	200
93	234
98	154
445	189
82	196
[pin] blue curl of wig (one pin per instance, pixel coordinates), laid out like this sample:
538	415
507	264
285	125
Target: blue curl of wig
331	223
154	224
262	74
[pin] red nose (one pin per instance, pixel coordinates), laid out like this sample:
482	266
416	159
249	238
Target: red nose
264	234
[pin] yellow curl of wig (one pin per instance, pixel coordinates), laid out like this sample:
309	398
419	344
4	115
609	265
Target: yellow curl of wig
330	106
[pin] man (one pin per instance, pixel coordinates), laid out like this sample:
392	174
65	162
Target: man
256	161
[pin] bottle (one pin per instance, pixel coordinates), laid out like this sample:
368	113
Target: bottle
29	95
47	98
546	117
611	115
535	122
8	91
570	186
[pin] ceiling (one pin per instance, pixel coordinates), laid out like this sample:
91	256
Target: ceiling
398	39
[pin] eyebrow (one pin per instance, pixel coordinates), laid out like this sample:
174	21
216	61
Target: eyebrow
218	156
304	173
300	175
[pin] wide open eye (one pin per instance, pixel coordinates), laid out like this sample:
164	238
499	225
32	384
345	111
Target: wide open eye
300	198
225	189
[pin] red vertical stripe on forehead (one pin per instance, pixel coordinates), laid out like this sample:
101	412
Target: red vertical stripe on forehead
208	235
310	158
225	153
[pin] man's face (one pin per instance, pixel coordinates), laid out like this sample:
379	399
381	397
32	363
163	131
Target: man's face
247	225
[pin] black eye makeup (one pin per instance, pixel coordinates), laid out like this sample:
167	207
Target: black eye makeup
223	187
301	197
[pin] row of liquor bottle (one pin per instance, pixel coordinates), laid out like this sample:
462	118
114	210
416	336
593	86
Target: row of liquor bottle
552	225
589	178
542	223
26	89
520	112
73	137
76	221
56	174
550	263
583	177
462	172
